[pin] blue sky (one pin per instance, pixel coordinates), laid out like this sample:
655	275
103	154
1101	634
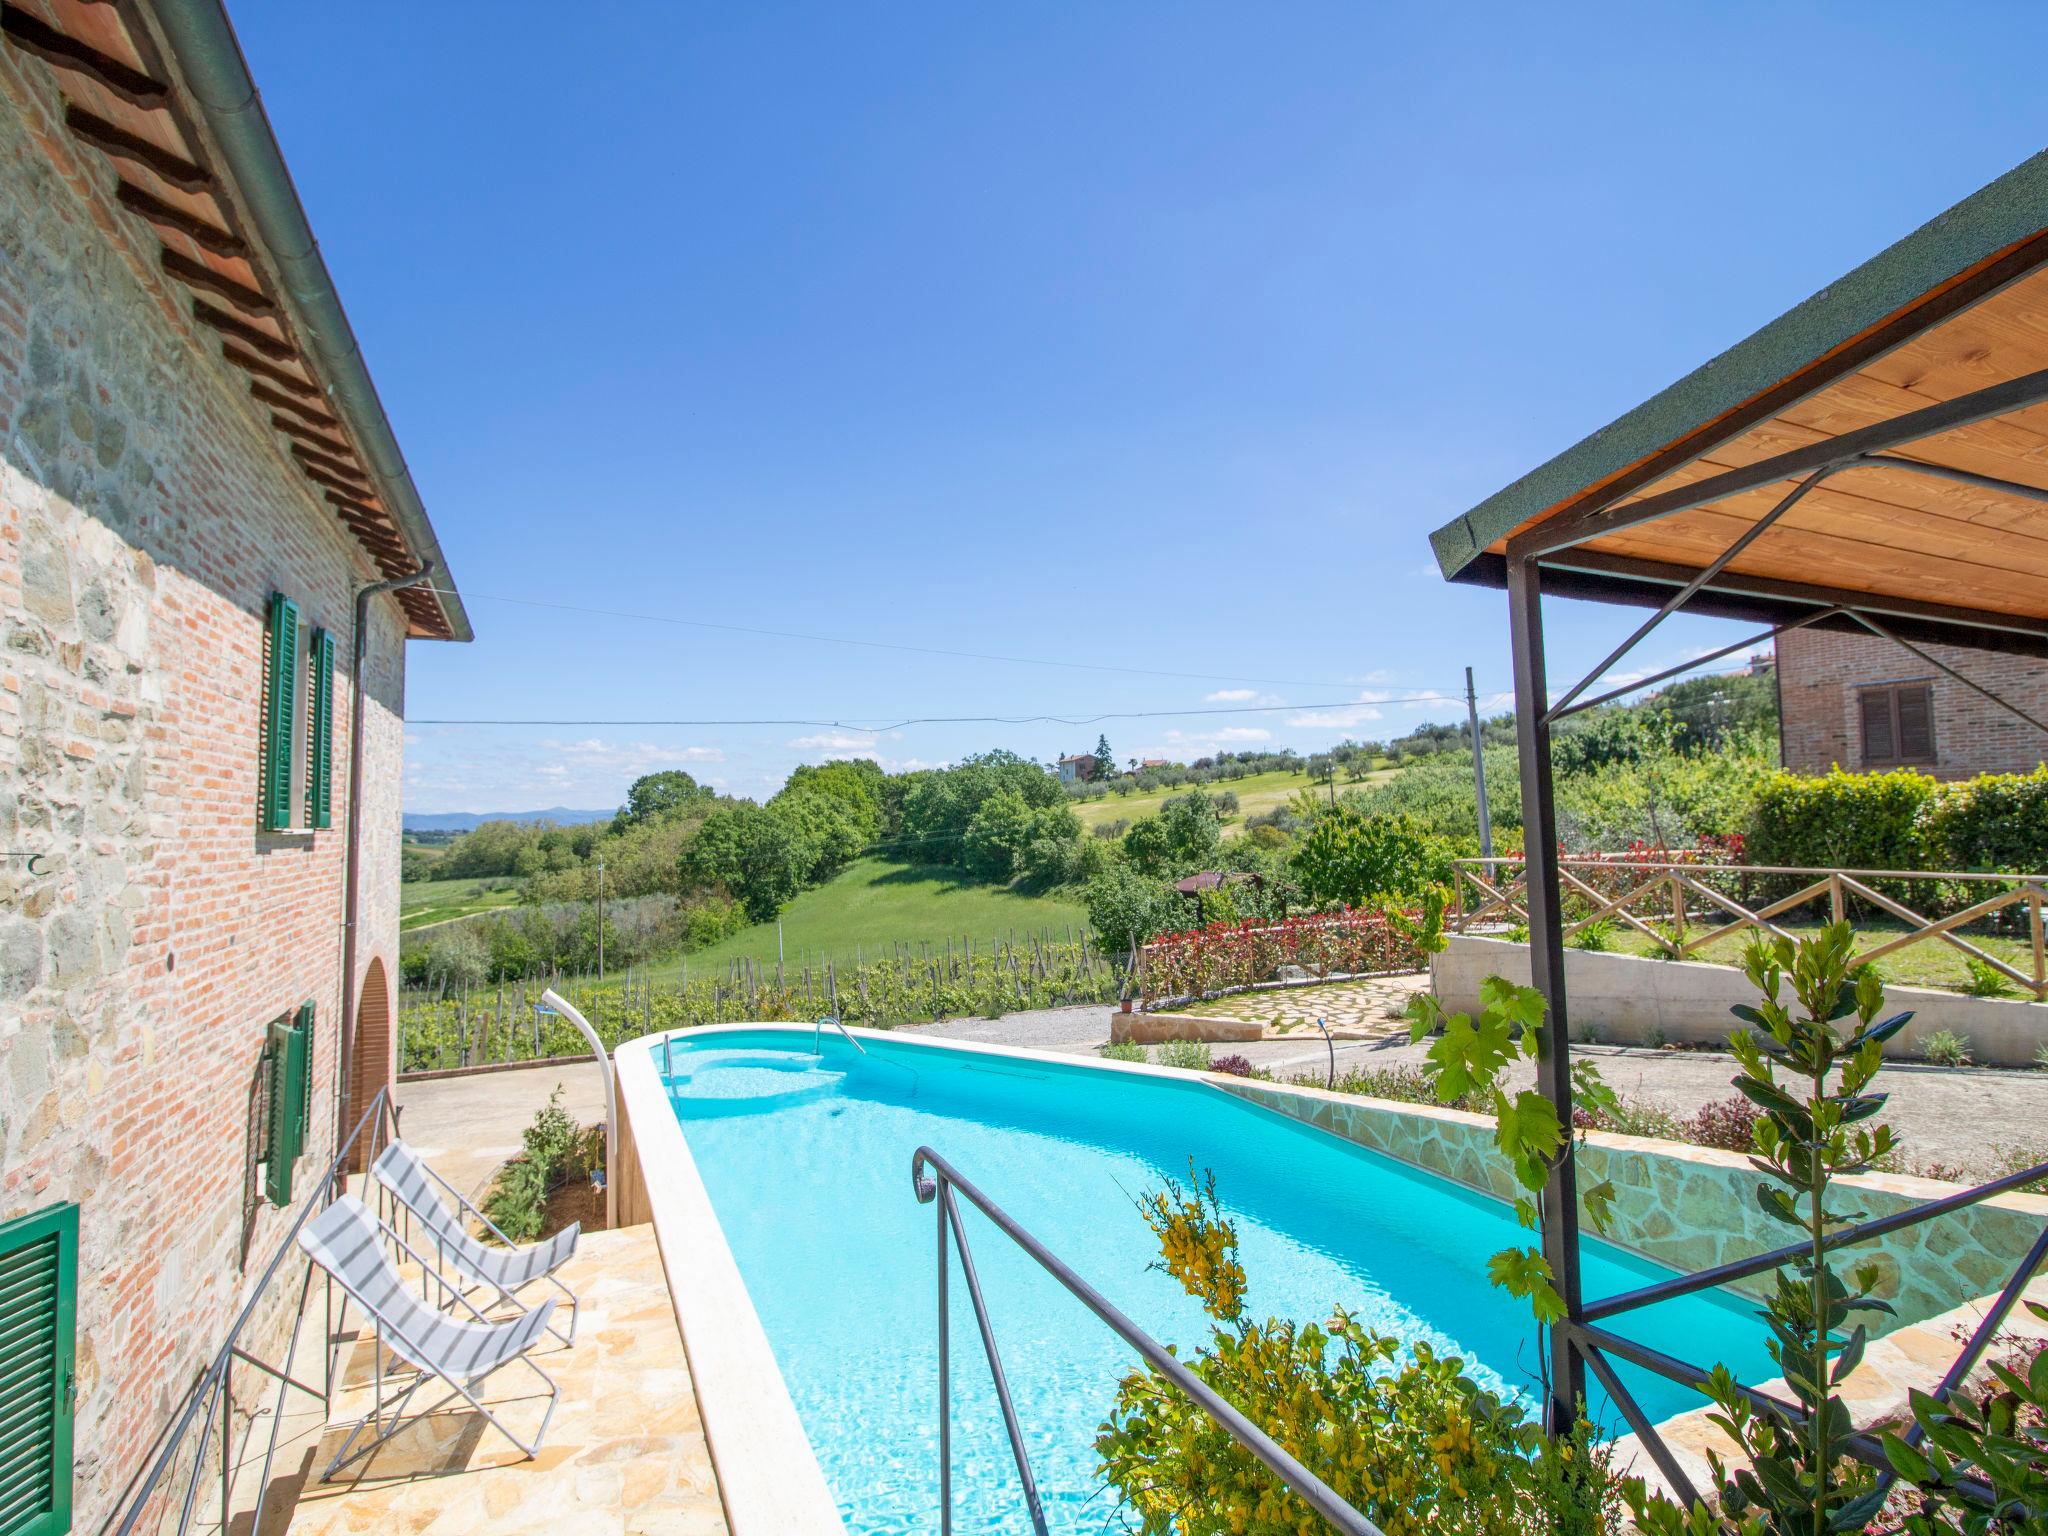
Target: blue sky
1143	336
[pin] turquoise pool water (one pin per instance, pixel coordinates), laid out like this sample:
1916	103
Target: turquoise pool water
807	1161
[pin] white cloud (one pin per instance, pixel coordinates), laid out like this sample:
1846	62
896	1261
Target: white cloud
1249	696
1344	717
830	742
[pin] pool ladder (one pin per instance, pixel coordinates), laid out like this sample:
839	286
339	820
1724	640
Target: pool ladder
819	1029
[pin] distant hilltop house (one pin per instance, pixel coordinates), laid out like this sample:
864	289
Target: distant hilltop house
1870	704
212	561
1078	769
1155	762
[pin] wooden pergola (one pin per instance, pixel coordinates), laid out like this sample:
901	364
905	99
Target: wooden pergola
1876	459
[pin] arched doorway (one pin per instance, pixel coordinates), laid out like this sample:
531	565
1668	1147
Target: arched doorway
374	1060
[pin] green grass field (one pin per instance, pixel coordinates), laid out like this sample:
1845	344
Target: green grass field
424	902
1259	793
872	904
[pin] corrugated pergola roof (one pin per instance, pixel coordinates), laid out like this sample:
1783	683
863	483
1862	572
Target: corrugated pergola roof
1909	400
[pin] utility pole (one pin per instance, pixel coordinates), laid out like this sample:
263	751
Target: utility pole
600	917
1479	773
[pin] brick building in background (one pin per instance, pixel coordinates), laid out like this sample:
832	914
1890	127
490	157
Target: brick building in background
201	512
1870	704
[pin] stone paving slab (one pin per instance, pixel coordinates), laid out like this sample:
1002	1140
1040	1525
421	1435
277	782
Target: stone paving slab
625	1454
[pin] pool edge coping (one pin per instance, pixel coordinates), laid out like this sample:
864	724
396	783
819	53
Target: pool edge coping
769	1479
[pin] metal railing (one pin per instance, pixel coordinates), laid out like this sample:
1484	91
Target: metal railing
211	1409
1595	1343
937	1187
1667	900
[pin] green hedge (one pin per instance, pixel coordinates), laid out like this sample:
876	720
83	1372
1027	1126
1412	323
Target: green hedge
1840	820
1996	821
1901	820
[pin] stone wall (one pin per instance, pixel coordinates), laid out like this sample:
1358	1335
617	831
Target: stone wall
1693	1207
147	511
1631	1000
1819	672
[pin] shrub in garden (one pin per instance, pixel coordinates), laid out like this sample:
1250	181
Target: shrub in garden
1726	1123
1234	1065
555	1151
1401	1434
1124	1050
1188	1055
1947	1048
1987	980
1596	936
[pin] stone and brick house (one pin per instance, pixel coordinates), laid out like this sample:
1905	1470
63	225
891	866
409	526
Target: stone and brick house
1868	703
204	522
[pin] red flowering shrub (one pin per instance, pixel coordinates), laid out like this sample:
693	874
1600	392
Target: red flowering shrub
1726	1123
1223	956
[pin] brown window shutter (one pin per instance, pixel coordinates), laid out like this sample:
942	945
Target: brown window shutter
1879	741
1916	723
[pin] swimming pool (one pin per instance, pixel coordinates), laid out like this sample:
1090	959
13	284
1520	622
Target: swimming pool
806	1162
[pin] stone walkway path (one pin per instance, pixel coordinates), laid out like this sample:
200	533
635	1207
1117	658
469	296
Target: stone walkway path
1374	1007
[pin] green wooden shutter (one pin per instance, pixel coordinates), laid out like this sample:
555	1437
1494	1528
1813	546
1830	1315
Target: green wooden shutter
304	1037
280	677
320	731
38	1332
286	1133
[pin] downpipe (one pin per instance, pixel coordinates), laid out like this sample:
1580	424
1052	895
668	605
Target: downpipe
351	878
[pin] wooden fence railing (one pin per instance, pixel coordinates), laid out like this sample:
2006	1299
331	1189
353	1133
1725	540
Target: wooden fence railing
1667	901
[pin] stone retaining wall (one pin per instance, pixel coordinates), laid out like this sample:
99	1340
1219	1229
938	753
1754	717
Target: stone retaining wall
1693	1207
1155	1028
1630	1000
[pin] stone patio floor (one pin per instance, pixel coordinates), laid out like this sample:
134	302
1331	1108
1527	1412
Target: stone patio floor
625	1453
1371	1008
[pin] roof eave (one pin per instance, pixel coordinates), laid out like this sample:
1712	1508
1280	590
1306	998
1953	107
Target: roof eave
207	56
1975	231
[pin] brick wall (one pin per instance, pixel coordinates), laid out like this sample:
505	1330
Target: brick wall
1819	673
147	511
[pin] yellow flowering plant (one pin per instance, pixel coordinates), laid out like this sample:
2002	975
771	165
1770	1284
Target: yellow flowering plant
1406	1437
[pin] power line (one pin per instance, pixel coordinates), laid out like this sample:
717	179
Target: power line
882	645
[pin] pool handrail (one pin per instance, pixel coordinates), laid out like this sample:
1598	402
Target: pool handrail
937	1188
833	1020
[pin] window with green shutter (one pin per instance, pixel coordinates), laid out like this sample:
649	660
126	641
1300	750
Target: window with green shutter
38	1332
280	712
320	730
290	1098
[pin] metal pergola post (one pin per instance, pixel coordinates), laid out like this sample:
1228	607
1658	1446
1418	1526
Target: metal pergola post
1567	1370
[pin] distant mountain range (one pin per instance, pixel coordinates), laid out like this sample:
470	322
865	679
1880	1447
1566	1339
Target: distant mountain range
467	821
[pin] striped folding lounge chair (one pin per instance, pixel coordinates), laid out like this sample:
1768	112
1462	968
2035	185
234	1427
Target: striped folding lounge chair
507	1270
348	1242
